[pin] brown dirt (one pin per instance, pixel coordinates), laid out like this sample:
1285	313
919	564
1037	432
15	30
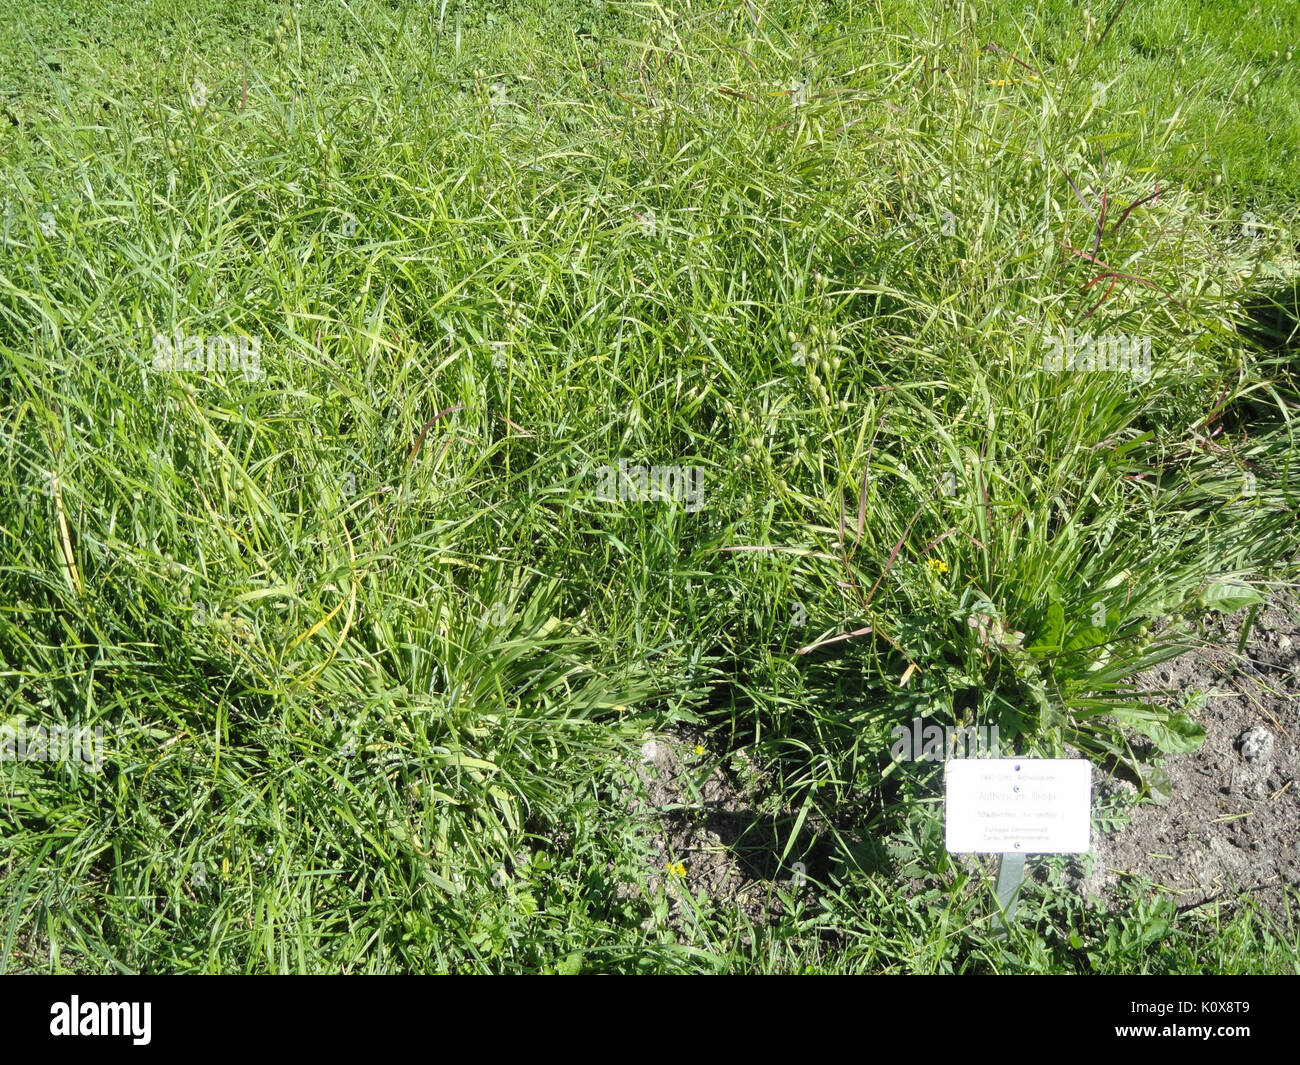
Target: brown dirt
696	814
1232	824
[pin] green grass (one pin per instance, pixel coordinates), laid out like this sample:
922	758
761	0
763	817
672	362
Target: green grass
368	650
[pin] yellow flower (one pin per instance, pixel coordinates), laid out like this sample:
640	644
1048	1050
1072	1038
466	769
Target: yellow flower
677	869
938	565
699	749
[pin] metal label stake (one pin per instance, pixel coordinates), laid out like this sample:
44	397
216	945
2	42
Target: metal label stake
1011	874
1013	807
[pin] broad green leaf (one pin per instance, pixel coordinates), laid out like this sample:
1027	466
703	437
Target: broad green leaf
1159	787
1173	734
1227	597
1089	639
1053	629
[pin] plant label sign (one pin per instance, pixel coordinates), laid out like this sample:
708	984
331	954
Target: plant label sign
1018	805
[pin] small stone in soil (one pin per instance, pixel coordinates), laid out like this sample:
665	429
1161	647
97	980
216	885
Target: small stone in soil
1256	744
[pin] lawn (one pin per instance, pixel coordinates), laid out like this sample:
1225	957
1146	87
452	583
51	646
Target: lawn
417	413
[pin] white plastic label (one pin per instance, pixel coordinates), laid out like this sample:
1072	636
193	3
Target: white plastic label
1018	805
